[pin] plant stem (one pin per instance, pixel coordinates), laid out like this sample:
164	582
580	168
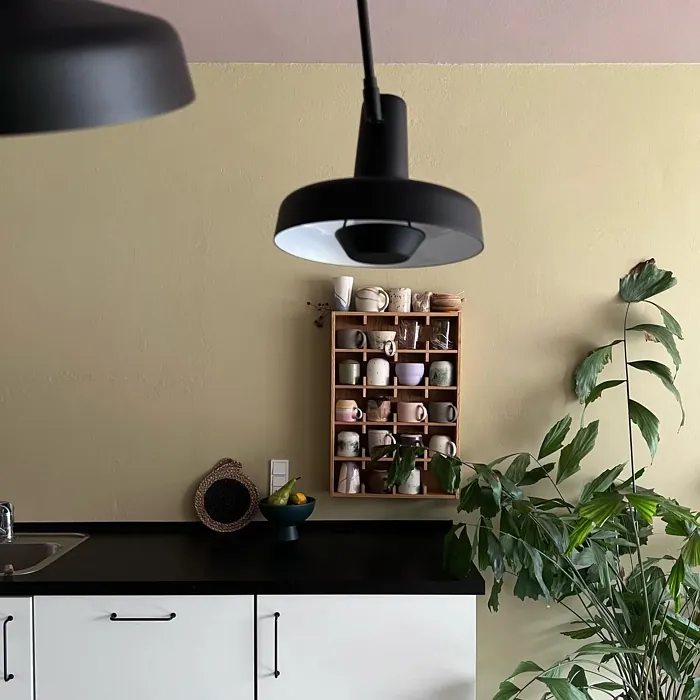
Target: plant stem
635	525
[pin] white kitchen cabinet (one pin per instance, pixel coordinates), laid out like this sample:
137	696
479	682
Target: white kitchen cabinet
366	647
144	648
17	674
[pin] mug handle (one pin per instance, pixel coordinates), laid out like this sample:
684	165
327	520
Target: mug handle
421	413
383	307
392	439
390	348
357	412
454	413
362	338
451	449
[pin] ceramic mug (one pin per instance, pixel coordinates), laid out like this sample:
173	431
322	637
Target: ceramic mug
411	412
421	301
347	411
383	340
349	372
342	288
442	373
410	373
371	299
349	477
399	300
377	481
348	444
443	445
350	339
379	438
411	439
442	412
378	409
412	484
378	371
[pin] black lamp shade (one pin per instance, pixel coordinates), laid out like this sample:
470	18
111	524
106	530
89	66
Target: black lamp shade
312	221
73	64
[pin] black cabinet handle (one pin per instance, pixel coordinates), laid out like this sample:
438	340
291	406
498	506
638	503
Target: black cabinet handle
277	673
7	676
115	618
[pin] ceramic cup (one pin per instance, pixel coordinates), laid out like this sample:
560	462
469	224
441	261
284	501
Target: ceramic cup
411	439
342	288
442	373
378	409
350	338
412	484
349	372
349	477
409	333
378	371
411	412
379	438
348	444
443	445
399	300
347	411
377	481
421	301
371	299
383	340
410	373
442	412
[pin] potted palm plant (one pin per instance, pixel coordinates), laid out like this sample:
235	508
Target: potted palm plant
638	615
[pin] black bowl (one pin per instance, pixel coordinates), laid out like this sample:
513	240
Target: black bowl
287	517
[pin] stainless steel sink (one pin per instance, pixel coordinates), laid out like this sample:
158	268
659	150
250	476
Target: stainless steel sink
28	553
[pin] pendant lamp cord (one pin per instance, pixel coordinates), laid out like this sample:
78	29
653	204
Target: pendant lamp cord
372	98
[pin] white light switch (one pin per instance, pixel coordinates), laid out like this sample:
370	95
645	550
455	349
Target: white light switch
279	474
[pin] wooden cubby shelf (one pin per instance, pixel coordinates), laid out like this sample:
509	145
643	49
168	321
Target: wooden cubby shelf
424	393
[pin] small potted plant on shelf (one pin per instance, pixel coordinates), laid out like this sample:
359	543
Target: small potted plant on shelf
639	616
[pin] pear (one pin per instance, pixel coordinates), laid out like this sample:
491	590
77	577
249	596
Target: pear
281	497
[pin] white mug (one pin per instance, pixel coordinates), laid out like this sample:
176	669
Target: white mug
349	478
378	371
342	287
412	484
348	444
411	412
399	300
371	299
379	438
443	445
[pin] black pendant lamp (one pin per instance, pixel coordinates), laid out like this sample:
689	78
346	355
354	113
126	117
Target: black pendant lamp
73	64
379	218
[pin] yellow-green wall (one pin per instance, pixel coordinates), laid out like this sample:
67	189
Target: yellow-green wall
148	326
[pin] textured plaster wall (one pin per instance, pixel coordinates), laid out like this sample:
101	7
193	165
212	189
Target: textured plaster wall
149	327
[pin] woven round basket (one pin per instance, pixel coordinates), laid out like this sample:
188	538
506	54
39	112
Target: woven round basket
227	499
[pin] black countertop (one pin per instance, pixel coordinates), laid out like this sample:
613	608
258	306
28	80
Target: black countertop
334	557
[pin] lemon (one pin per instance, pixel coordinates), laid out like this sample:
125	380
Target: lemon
297	498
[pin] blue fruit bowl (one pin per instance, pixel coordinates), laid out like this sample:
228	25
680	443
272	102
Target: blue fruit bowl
287	517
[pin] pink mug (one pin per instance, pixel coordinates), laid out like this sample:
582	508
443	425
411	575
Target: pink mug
347	411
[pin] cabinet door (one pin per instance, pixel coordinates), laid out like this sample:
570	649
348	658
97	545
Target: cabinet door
144	648
17	679
368	647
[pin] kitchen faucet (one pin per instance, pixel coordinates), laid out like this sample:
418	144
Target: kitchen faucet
7	522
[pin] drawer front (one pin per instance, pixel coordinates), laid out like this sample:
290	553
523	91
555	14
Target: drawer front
144	647
16	661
